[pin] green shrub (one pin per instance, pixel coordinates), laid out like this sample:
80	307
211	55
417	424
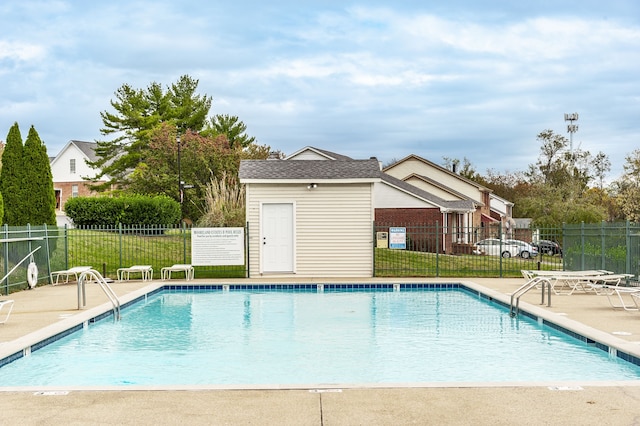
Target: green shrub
129	210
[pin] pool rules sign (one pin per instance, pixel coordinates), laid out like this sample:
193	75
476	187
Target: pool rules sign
217	246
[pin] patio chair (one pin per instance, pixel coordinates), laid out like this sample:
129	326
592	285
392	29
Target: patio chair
9	305
75	272
179	267
145	271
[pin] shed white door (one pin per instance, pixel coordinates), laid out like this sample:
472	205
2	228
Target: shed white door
277	237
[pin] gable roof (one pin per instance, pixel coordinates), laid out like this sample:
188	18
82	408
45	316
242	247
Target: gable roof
318	170
502	200
320	152
457	205
443	187
443	169
88	149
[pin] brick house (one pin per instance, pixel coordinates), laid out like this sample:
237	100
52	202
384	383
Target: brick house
491	215
427	198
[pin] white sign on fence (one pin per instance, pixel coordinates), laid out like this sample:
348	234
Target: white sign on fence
217	246
398	238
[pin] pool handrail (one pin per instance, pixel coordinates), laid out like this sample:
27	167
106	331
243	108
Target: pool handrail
94	275
532	283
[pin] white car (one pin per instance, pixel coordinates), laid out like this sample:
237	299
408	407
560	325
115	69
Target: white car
495	247
526	250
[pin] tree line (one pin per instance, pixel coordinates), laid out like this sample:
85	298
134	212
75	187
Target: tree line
564	185
162	141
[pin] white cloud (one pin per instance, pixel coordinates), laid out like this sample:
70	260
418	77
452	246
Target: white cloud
459	80
21	51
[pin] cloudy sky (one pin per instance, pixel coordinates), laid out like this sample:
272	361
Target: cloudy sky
461	78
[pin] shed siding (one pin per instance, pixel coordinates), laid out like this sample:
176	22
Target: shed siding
333	227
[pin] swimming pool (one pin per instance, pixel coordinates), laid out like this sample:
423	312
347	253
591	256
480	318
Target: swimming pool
266	336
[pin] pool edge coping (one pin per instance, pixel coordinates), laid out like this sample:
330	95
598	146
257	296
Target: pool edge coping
23	346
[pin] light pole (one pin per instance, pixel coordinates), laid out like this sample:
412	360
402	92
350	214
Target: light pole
180	189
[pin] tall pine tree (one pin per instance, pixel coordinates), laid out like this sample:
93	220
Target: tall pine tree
11	179
38	182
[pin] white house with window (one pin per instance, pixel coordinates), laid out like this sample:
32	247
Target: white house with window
70	169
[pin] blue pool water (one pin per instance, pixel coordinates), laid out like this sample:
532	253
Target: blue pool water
245	337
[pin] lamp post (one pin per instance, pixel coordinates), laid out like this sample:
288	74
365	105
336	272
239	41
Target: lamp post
180	190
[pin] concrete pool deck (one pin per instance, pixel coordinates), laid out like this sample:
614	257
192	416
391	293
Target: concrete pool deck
49	307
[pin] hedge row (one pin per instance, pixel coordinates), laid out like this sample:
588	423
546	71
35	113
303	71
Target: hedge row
129	210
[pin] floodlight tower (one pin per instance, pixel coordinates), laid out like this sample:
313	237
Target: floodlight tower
571	128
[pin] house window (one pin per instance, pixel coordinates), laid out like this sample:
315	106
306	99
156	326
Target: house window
74	191
72	166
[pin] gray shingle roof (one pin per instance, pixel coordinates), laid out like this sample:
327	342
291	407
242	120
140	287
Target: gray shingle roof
463	205
87	148
446	188
333	155
328	154
309	169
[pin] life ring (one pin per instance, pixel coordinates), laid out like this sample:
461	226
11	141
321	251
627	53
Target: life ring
32	274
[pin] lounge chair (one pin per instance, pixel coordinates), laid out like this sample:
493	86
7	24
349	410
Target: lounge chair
75	272
145	271
9	305
530	273
597	283
179	267
618	293
603	284
567	282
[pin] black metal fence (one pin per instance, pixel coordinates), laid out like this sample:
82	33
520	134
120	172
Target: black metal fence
426	250
437	251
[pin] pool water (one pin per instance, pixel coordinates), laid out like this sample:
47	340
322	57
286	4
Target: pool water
279	338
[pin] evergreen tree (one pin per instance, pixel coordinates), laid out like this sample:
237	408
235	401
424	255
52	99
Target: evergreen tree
38	182
137	113
231	127
11	179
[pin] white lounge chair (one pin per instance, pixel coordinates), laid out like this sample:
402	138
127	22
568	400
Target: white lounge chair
9	305
603	284
75	272
618	293
179	267
145	271
530	273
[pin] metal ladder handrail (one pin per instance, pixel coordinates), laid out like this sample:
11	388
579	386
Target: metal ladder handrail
96	276
533	282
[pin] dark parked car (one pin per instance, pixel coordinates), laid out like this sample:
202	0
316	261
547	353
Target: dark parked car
548	247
